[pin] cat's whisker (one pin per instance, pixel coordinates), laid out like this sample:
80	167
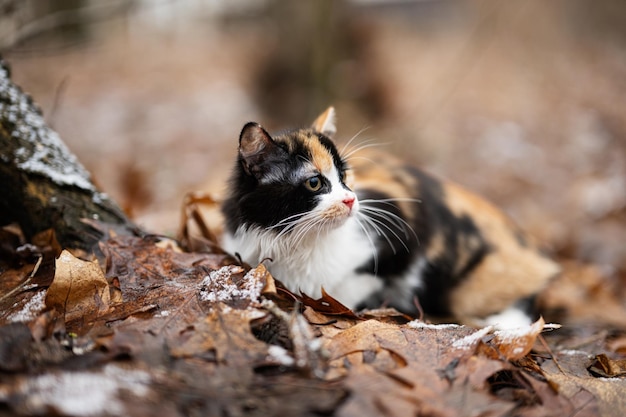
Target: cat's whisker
301	226
391	200
392	218
348	150
365	206
304	231
362	146
288	220
302	220
287	229
371	242
283	238
386	215
356	135
352	158
370	221
381	224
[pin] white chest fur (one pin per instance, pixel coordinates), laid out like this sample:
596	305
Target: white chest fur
327	259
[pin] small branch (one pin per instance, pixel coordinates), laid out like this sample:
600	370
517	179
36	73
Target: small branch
27	281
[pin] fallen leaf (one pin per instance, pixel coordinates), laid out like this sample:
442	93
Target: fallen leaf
607	395
359	338
603	366
513	344
327	305
79	289
225	333
585	294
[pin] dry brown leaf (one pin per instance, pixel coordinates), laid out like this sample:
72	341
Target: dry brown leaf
327	305
161	285
516	343
261	274
585	293
607	398
224	335
79	289
603	366
358	338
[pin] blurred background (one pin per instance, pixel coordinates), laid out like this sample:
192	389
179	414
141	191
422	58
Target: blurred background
522	102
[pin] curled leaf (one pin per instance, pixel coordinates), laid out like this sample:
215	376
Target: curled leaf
513	344
327	305
603	366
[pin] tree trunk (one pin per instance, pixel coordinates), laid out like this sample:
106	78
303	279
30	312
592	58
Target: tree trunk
42	184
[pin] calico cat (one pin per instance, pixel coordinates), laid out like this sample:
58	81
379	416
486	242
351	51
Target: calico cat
373	231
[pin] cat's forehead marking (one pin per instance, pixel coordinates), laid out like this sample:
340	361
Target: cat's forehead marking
321	157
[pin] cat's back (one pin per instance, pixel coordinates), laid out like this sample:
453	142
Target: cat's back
477	260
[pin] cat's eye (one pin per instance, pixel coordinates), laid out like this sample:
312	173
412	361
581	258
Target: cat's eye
313	183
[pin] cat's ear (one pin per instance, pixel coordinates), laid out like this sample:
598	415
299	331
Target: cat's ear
255	146
325	123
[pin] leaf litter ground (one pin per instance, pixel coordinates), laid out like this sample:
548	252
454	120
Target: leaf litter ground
147	329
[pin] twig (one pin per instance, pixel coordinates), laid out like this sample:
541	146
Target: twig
552	356
27	281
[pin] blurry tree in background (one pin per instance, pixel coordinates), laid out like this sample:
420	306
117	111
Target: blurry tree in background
22	20
523	102
317	56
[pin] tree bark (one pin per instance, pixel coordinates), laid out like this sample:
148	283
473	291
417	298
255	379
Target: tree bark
42	184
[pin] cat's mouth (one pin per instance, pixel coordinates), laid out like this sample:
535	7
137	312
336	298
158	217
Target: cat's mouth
339	213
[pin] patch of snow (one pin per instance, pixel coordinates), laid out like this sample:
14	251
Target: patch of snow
469	341
221	288
84	393
280	355
511	334
418	324
574	352
30	309
551	326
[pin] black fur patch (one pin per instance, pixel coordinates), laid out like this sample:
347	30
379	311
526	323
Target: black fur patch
397	249
443	272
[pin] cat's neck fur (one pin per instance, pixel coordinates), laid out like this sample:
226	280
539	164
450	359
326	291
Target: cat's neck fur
326	258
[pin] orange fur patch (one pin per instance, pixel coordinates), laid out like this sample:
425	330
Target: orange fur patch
381	171
512	271
321	158
336	211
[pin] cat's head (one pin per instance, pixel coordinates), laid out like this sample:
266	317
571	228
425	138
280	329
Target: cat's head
291	180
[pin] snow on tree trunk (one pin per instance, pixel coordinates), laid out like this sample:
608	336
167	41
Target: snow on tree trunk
42	184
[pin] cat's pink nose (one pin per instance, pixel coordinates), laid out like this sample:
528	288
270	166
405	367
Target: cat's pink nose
349	201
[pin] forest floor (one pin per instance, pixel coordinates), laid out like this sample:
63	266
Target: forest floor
151	330
145	328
